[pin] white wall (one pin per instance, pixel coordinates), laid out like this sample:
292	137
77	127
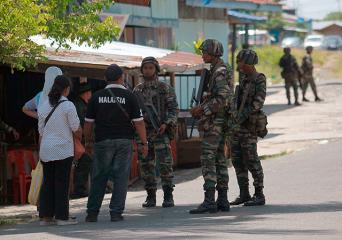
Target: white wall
189	30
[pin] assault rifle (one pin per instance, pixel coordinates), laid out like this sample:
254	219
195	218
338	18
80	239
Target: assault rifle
196	99
148	108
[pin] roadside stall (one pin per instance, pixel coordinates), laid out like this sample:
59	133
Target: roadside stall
81	64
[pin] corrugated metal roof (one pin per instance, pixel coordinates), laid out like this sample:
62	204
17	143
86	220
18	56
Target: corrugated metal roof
124	54
324	24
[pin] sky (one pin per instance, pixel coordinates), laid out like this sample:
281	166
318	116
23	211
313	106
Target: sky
315	9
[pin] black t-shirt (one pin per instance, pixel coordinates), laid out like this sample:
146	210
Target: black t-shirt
110	121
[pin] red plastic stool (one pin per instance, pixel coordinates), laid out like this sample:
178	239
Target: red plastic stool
21	180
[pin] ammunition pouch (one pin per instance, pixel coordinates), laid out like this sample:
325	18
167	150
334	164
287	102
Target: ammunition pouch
257	124
171	131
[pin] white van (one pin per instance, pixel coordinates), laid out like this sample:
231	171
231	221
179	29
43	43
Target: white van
315	41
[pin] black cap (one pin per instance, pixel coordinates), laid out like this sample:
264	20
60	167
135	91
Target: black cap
84	87
113	73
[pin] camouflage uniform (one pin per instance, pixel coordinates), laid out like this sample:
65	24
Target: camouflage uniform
290	73
164	100
244	141
217	96
214	163
307	68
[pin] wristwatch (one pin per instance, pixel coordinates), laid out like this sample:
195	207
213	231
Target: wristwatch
146	143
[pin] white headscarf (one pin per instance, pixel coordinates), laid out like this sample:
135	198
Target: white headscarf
50	74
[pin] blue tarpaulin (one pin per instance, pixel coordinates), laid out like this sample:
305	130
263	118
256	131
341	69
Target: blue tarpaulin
244	17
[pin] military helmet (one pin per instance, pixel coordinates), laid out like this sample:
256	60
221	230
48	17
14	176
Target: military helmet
287	49
247	56
309	48
212	47
152	60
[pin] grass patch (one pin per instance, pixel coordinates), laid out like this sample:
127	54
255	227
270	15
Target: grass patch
8	221
22	218
336	66
269	57
283	153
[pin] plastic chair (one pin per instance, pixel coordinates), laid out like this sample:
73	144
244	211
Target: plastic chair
21	179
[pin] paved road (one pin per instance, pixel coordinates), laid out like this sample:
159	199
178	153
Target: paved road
304	193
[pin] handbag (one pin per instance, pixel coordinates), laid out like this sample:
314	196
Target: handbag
36	183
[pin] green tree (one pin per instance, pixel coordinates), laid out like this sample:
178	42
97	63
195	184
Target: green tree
333	16
62	20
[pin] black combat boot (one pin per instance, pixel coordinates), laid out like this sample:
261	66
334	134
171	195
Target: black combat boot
297	103
168	197
317	99
243	197
258	199
208	205
289	102
305	99
222	201
150	199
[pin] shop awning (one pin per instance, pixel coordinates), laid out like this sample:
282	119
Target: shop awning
252	5
126	55
236	17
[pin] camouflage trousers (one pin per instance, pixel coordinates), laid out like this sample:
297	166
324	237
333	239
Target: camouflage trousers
308	79
213	160
159	151
245	158
291	81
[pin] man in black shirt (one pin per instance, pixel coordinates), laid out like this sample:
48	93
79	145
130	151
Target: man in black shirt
116	114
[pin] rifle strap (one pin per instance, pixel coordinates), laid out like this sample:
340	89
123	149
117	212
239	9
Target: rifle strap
244	97
52	111
121	107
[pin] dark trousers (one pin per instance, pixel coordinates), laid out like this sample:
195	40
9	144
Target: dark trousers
112	158
82	174
54	193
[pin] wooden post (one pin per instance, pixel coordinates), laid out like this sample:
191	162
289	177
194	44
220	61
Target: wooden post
173	79
246	33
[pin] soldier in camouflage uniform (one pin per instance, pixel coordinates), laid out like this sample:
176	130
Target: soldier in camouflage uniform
84	163
290	73
307	68
217	96
244	141
7	129
162	96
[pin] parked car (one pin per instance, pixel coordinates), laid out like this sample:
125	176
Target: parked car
293	42
316	41
332	42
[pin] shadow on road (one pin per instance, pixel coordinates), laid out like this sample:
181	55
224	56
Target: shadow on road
158	223
273	108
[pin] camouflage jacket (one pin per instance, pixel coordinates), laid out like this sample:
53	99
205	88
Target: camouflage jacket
255	97
289	64
217	93
4	127
217	98
307	64
164	100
